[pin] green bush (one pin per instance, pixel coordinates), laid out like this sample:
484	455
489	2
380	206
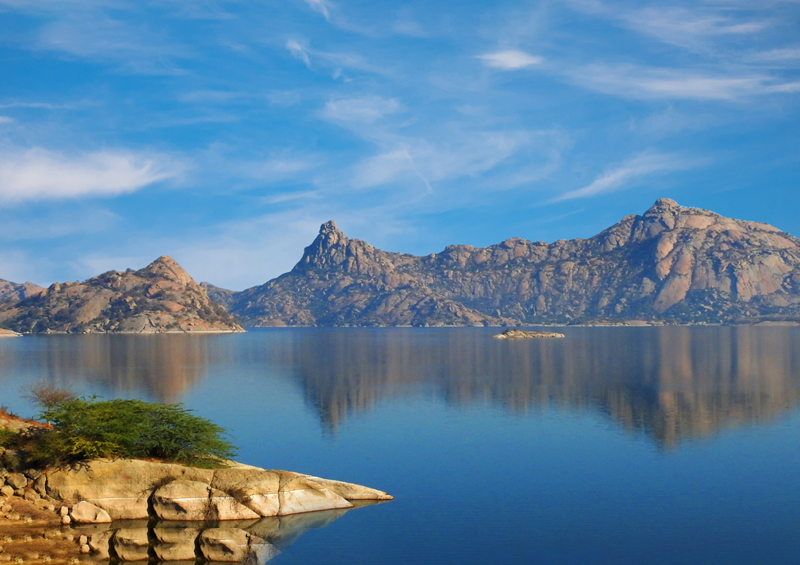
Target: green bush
7	437
89	428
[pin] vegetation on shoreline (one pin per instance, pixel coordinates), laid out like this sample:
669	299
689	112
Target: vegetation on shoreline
81	428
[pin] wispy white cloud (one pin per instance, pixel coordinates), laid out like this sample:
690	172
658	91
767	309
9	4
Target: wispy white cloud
688	28
633	81
783	55
630	173
472	153
290	197
692	28
510	60
366	109
93	36
299	51
314	58
321	6
6	120
39	174
214	96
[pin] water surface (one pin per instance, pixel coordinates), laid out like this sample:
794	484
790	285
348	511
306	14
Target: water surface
613	445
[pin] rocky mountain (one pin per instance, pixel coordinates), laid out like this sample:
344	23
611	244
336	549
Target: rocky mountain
672	264
218	294
12	292
160	298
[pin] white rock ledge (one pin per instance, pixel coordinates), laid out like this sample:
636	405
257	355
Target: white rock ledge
129	489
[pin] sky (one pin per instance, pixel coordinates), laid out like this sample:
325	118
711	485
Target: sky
224	132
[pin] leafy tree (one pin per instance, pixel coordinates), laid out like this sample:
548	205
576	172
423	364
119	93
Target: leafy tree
89	428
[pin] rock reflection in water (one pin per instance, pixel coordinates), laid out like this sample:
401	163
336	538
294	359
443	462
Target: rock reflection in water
670	382
165	366
252	542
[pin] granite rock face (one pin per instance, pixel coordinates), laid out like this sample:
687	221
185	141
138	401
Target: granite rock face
133	489
672	263
160	298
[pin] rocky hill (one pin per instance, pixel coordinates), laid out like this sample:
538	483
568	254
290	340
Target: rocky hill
671	264
160	298
12	292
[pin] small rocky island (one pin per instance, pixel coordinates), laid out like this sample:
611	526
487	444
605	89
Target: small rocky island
523	334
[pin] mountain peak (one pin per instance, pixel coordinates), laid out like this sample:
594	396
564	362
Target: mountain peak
663	205
329	226
167	268
327	249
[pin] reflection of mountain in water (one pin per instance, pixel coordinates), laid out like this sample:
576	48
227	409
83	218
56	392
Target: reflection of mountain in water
166	366
669	382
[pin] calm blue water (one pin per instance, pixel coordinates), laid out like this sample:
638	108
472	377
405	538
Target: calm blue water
614	445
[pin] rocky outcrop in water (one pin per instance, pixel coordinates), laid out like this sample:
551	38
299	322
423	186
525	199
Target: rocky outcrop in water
160	298
130	489
672	263
523	334
236	514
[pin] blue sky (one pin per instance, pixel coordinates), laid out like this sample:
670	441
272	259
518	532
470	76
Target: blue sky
222	133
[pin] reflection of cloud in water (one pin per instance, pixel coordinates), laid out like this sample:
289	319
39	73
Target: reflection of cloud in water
671	382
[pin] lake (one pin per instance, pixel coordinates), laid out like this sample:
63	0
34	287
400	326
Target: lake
613	445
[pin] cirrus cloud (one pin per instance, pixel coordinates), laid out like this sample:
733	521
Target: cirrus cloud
510	60
40	174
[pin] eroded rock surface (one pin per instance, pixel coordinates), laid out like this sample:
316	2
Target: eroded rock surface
160	298
671	263
133	489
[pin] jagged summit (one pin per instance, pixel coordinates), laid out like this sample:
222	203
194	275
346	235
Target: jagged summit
664	204
329	226
326	249
671	263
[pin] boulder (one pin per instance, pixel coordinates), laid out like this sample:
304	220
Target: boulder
16	481
131	544
87	513
195	500
255	488
121	487
175	543
100	543
233	545
302	494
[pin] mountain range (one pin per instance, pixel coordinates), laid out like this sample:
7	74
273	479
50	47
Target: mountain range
672	264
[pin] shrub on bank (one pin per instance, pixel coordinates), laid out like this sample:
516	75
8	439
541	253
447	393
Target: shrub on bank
7	437
89	428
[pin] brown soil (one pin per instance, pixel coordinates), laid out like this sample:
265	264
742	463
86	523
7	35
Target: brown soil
16	423
31	532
